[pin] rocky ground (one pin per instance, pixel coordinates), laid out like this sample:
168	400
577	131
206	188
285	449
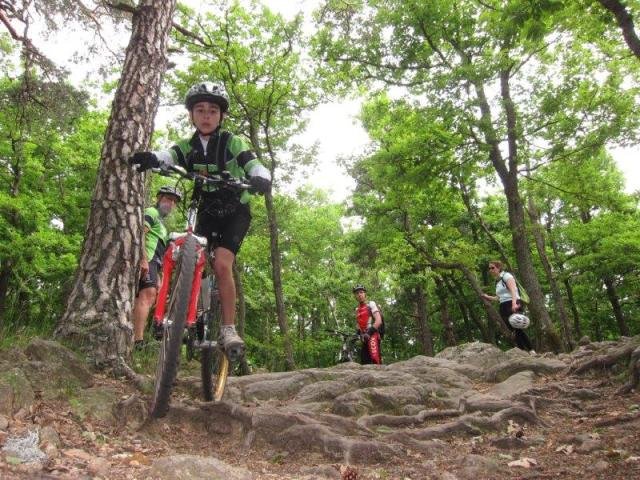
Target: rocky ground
473	412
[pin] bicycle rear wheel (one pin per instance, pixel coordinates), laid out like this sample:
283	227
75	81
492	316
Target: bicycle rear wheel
214	364
171	343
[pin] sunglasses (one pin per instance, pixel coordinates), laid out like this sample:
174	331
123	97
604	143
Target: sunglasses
492	268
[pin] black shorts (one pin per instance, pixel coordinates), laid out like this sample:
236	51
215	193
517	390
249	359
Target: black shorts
150	280
226	231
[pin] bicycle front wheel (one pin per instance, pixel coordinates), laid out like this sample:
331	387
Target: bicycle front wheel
178	305
214	364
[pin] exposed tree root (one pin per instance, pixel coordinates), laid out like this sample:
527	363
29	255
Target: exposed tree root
607	422
142	383
405	420
472	424
614	356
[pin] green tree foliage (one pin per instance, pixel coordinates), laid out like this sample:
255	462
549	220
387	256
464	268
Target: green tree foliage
49	145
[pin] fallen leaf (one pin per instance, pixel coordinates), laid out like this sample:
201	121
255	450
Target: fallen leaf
524	462
565	449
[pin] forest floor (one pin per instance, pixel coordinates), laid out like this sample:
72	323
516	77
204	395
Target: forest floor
586	431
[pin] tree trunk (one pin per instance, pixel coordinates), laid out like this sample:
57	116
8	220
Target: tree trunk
242	313
425	337
612	295
276	268
625	22
467	310
445	318
97	316
5	275
509	178
538	236
567	285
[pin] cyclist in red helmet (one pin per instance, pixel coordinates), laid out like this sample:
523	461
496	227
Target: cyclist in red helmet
223	215
369	321
155	243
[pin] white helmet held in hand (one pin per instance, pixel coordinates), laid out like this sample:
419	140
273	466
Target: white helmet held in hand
519	321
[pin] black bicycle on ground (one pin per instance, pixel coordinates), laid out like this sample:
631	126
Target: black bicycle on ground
348	349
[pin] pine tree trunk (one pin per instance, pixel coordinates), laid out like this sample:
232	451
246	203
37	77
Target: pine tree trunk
97	316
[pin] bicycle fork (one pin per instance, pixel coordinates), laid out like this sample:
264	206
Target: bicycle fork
168	264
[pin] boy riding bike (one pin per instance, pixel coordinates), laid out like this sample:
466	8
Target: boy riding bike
223	215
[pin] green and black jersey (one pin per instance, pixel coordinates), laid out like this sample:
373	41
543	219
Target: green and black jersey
223	151
156	236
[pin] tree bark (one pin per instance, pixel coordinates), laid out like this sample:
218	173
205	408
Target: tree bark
567	285
242	313
425	336
538	236
5	275
276	269
445	318
508	175
614	299
97	316
467	310
625	22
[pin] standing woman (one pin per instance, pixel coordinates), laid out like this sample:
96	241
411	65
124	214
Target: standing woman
509	298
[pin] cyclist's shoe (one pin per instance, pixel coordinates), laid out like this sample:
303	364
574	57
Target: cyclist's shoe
158	330
231	342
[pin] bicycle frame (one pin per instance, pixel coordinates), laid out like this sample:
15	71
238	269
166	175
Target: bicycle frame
168	263
176	239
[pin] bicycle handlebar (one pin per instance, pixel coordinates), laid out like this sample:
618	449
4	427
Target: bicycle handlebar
338	332
224	179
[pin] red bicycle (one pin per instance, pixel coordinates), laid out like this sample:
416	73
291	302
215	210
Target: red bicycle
188	308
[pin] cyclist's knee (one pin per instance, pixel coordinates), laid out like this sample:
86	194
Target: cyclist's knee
147	296
223	268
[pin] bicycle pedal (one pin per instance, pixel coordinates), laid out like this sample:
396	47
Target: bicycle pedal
235	354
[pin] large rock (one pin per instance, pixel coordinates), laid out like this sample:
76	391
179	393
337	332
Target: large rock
15	392
54	370
478	354
193	467
96	403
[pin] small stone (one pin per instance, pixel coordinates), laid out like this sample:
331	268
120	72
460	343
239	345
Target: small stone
589	446
4	422
98	466
77	454
601	466
51	451
49	435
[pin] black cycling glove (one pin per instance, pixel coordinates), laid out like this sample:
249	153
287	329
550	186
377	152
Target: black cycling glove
259	184
144	161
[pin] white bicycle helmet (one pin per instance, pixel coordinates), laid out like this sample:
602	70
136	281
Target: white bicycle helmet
170	190
519	321
207	92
